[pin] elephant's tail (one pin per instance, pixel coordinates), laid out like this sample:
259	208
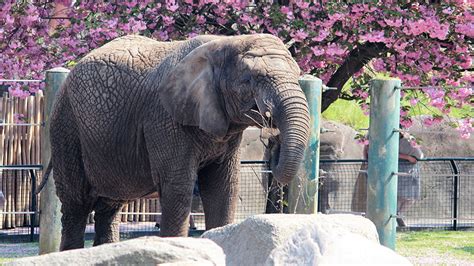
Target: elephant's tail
45	177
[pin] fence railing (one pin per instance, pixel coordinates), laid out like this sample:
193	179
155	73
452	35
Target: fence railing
446	201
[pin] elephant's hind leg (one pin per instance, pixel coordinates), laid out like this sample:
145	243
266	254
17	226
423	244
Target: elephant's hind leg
106	221
69	175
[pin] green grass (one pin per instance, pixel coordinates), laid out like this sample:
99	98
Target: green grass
348	113
455	244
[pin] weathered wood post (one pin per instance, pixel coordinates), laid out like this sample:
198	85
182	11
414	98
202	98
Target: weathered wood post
303	190
50	206
383	157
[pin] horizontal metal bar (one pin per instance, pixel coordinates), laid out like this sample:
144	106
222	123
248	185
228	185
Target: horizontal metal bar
401	174
21	80
22	167
446	175
17	212
326	88
427	131
257	171
153	213
21	124
438	218
254	162
428	159
433	87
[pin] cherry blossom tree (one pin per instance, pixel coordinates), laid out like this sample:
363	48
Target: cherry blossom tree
424	43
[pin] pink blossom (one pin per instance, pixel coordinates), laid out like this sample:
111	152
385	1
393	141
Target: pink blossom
222	21
465	127
318	64
439	31
466	29
429	121
287	11
16	91
131	3
321	35
163	35
200	19
363	141
171	5
19	118
465	62
394	22
299	35
317	51
375	36
379	65
406	122
426	66
302	4
335	49
361	94
167	20
413	101
438	103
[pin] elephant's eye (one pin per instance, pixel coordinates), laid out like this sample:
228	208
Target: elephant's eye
246	79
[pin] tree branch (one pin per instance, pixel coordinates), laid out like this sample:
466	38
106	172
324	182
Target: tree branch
355	61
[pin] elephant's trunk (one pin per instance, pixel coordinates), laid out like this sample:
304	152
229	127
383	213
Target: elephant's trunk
292	120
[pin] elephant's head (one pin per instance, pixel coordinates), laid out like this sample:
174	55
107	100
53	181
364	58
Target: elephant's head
234	82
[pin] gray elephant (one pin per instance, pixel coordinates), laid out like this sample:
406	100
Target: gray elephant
138	116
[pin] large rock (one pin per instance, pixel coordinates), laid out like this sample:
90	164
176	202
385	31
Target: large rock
318	244
251	241
140	251
338	142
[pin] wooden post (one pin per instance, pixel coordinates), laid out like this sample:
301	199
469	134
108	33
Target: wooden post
50	206
303	190
383	157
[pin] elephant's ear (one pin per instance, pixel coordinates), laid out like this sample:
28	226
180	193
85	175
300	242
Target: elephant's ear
190	93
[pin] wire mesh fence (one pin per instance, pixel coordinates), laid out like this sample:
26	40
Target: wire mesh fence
446	192
446	199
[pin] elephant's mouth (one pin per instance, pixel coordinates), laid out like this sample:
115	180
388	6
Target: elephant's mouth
260	118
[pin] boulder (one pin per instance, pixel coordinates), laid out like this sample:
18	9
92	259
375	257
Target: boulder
338	142
318	244
252	241
140	251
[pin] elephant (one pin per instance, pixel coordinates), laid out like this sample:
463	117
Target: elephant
138	116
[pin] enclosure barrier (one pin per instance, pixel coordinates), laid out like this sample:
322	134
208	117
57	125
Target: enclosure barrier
303	190
383	158
50	206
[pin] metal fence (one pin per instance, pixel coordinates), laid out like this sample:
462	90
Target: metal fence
446	195
446	199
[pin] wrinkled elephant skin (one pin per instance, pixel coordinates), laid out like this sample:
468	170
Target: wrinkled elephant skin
138	116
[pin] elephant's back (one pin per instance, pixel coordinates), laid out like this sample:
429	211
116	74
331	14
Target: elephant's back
106	97
137	53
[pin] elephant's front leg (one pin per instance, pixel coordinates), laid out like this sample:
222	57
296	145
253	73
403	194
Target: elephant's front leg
175	199
218	185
